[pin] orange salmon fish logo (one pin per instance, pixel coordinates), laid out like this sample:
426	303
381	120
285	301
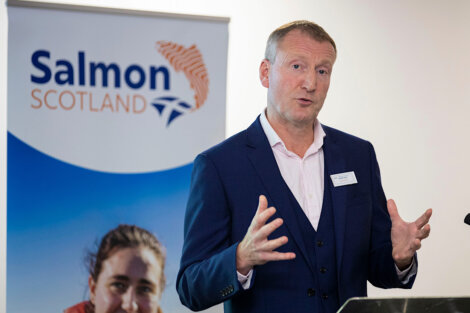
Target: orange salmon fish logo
190	62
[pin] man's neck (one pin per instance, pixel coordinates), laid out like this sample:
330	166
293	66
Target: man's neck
297	138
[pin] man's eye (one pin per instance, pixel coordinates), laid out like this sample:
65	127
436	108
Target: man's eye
323	72
296	66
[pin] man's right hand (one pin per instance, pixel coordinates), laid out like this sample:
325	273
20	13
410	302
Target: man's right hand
255	248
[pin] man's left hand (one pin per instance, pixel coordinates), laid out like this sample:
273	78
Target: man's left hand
406	237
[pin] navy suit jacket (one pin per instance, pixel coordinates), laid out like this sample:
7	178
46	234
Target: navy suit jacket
226	183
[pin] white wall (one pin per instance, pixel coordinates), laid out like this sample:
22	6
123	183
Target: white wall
401	81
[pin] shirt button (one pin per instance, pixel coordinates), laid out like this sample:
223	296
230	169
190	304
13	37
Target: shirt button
324	296
323	270
310	292
319	243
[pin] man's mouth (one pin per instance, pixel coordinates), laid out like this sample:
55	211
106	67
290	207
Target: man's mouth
304	100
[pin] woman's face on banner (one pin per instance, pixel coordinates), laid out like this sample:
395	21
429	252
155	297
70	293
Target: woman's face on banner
128	282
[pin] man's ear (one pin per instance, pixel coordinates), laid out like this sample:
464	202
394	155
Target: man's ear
264	70
92	287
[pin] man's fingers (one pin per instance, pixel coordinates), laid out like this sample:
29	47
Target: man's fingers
424	232
267	229
262	204
261	219
275	243
262	213
392	209
279	256
416	244
423	219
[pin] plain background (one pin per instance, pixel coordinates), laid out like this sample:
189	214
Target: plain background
401	80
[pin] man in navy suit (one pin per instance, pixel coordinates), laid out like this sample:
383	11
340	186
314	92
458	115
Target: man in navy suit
289	215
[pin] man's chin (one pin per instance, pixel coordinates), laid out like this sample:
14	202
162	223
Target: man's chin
303	121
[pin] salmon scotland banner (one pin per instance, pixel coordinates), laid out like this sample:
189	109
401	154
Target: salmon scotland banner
107	109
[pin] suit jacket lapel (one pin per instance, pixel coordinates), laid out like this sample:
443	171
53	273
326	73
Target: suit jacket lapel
335	163
261	156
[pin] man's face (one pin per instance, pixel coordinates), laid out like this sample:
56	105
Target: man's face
298	80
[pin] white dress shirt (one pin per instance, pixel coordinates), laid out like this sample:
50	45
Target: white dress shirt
304	176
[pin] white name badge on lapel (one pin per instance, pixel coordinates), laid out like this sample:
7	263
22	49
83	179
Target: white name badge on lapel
343	179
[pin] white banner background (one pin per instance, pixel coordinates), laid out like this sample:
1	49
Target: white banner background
109	140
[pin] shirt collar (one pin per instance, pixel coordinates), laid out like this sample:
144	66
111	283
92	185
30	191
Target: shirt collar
274	139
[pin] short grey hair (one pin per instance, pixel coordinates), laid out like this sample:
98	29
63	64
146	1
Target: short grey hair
313	30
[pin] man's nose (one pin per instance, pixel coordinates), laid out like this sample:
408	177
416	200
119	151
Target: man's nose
310	81
129	301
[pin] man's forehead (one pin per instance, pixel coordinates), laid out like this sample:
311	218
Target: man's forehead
303	34
303	44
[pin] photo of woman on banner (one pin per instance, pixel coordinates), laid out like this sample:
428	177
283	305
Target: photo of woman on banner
126	273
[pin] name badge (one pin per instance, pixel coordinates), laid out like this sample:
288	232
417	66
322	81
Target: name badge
343	179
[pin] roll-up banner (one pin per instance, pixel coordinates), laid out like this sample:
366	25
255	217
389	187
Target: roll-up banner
107	109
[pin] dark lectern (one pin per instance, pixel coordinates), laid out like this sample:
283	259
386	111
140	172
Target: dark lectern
406	305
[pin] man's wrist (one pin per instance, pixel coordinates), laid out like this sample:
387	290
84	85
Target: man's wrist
242	267
403	265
